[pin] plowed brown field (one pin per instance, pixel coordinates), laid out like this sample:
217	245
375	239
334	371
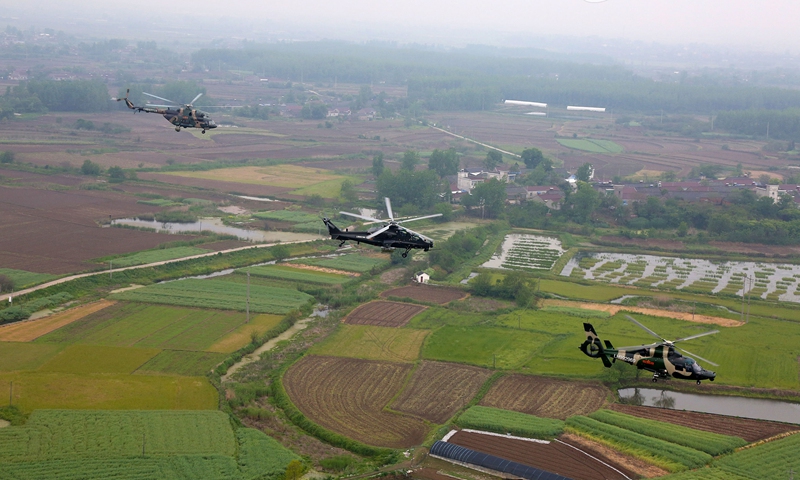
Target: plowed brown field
383	314
348	396
555	457
546	397
426	293
437	390
748	429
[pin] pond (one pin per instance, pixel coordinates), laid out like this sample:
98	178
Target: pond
215	225
757	408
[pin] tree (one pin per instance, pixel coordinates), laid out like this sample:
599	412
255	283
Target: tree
6	283
532	157
492	160
348	192
7	157
410	160
116	174
90	168
582	203
444	162
584	172
294	470
489	198
377	164
669	176
420	188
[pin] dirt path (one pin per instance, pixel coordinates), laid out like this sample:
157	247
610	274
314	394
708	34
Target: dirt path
252	357
4	423
613	309
510	154
148	265
640	467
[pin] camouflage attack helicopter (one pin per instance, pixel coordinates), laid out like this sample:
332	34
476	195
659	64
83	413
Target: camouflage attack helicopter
389	236
181	116
661	358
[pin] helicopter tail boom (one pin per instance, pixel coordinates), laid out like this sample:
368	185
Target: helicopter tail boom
592	346
333	230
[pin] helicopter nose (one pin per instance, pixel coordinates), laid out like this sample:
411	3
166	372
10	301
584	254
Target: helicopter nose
212	124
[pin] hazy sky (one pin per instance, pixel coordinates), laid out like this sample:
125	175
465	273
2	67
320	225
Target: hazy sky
759	24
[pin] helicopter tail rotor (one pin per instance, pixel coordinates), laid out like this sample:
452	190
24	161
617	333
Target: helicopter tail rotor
592	346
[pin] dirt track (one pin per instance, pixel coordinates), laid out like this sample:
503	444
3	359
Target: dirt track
613	309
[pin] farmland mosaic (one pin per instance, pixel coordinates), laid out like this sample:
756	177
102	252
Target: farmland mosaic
771	281
526	252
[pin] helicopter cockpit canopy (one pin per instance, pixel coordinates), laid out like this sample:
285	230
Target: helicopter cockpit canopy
692	365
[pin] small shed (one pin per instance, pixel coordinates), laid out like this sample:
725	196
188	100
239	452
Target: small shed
421	277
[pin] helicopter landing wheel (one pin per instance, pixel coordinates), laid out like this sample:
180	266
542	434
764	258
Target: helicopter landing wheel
203	132
698	382
405	254
177	129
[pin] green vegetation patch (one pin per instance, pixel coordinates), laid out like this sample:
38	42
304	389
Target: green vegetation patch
434	317
578	312
261	456
151	256
297	274
598	293
591	145
83	359
23	279
293	216
373	343
327	189
24	356
181	362
769	460
641	445
711	443
218	294
499	347
350	263
505	421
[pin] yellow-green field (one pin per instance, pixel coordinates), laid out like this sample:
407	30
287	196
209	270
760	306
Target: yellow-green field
275	176
373	343
240	337
88	359
24	356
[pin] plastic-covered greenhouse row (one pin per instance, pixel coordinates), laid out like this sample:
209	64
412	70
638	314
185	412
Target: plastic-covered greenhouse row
465	455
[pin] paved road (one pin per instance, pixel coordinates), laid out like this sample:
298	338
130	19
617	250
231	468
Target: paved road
148	265
477	142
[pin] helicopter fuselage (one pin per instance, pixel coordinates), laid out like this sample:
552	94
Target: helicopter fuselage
395	237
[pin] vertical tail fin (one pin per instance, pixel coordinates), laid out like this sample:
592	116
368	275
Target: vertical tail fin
333	230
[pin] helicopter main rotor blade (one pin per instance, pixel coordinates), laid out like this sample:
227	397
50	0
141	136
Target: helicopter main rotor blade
419	218
373	220
161	98
389	208
160	106
646	329
378	232
636	347
195	98
712	332
698	356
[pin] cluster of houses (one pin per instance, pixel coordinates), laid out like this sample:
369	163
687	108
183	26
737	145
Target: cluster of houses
701	190
365	114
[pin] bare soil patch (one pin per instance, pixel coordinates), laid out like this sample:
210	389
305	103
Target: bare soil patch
546	397
321	269
613	309
426	293
393	275
30	330
553	457
748	429
383	314
437	390
348	396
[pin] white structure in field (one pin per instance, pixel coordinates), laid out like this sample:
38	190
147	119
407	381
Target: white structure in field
526	104
586	109
421	277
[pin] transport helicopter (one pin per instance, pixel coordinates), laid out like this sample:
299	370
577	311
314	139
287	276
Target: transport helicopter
389	236
185	116
661	358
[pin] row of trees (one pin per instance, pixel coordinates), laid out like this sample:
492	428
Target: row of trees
780	124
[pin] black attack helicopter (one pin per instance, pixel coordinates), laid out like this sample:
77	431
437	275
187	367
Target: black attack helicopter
661	358
185	116
389	236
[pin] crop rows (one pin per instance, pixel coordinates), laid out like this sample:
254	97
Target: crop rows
151	256
644	444
374	343
349	263
296	275
770	460
545	397
711	443
218	294
253	463
384	314
527	252
505	421
288	216
181	362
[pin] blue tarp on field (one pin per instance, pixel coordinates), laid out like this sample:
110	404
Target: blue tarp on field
465	455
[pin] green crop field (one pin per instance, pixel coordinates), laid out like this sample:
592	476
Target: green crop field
711	443
505	348
288	216
327	189
70	444
350	263
23	279
598	293
505	421
218	294
84	359
668	455
296	274
591	145
181	362
36	390
373	343
149	326
24	356
159	255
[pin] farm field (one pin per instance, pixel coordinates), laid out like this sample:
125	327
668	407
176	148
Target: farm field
554	457
181	362
373	343
438	390
241	336
296	274
95	359
591	145
349	263
750	430
218	294
509	422
498	347
426	293
383	314
27	331
348	396
545	397
521	251
24	356
23	279
151	256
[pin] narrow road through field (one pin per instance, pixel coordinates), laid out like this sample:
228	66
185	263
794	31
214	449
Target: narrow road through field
147	265
477	142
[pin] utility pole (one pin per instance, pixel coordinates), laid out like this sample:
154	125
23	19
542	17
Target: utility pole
248	296
11	393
